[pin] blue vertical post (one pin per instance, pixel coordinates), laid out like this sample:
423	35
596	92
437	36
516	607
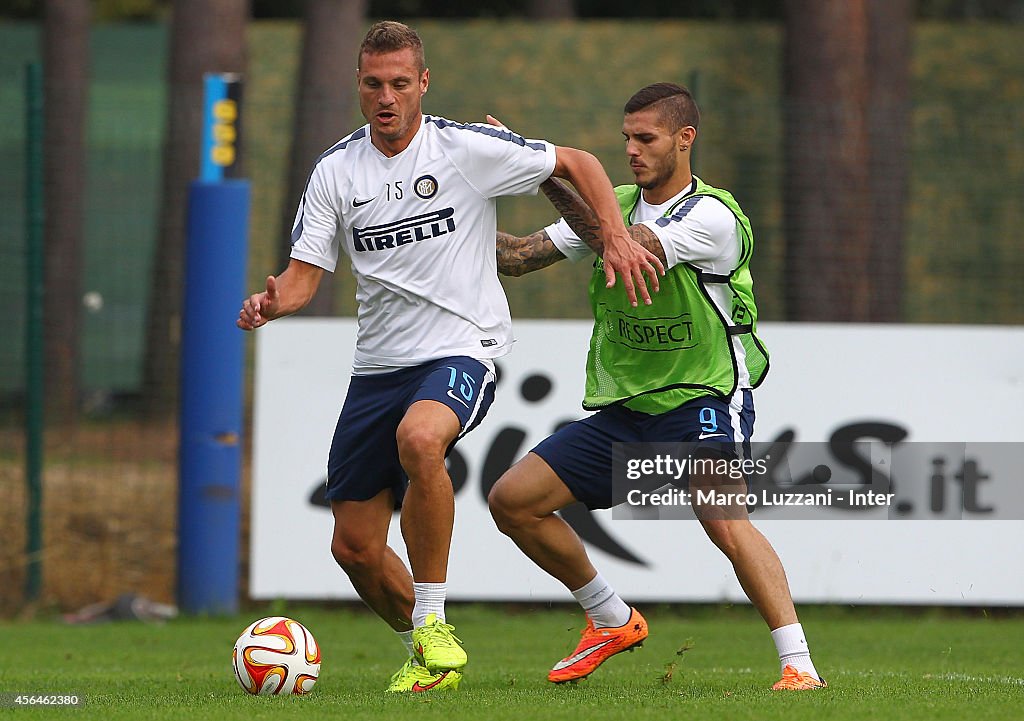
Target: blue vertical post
212	364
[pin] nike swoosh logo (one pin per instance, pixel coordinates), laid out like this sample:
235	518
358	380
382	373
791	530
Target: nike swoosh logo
702	436
456	398
566	662
417	686
357	203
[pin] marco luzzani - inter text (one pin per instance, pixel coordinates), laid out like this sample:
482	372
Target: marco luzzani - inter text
674	469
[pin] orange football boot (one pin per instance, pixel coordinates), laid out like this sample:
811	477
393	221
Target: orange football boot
597	645
793	680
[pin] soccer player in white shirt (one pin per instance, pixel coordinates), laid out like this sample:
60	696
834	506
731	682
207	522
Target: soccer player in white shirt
410	199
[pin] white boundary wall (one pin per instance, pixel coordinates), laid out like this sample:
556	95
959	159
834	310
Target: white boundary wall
938	383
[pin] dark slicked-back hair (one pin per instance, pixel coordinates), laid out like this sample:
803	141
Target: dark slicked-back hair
674	103
389	36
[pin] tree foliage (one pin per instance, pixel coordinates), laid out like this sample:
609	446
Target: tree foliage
1001	10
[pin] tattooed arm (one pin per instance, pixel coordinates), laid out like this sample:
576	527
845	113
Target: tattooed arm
584	223
517	256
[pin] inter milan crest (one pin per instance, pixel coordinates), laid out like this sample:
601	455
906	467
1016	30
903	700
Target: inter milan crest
425	186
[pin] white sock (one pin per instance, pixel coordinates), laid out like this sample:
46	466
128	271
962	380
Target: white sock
406	638
602	605
429	599
792	648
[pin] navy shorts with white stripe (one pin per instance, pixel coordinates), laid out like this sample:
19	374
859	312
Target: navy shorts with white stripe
364	454
581	452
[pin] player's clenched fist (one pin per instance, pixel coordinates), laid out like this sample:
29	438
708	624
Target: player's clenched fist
259	308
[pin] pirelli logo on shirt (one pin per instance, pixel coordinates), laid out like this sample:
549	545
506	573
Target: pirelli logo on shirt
403	232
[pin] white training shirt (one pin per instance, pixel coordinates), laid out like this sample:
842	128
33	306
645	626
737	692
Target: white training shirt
701	231
419	230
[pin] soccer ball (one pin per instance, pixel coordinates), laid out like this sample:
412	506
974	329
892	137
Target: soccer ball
276	655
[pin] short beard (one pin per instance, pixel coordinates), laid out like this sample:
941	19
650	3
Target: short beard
395	134
661	175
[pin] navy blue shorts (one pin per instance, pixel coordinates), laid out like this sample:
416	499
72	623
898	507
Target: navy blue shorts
364	454
581	452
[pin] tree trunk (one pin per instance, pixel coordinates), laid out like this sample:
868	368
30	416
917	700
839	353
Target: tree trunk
65	88
889	57
206	36
551	9
324	109
827	203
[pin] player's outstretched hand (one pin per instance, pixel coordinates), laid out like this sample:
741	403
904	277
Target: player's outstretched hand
259	308
625	256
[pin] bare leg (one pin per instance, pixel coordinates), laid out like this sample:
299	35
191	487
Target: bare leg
428	511
360	547
758	569
755	562
523	503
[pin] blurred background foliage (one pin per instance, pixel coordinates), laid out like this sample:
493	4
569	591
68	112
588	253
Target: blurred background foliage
111	484
963	259
135	10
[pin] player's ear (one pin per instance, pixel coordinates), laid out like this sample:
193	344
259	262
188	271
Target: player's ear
685	137
425	81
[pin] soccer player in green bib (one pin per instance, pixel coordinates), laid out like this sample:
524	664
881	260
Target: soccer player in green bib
679	370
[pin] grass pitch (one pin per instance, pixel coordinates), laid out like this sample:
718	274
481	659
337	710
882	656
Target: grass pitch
699	663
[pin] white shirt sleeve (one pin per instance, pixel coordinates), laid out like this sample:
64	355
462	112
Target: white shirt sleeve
498	162
702	231
568	242
316	223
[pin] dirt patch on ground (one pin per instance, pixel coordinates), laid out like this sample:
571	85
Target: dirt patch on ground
110	495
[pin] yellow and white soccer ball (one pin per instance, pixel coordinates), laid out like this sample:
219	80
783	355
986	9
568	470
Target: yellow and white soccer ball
276	655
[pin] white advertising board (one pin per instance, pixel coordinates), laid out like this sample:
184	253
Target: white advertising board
955	384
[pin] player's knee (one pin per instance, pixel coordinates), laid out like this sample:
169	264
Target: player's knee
506	510
419	446
723	534
498	505
355	557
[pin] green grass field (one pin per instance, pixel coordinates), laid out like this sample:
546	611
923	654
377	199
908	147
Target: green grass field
880	664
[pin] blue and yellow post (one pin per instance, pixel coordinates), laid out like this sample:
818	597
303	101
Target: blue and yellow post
212	362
